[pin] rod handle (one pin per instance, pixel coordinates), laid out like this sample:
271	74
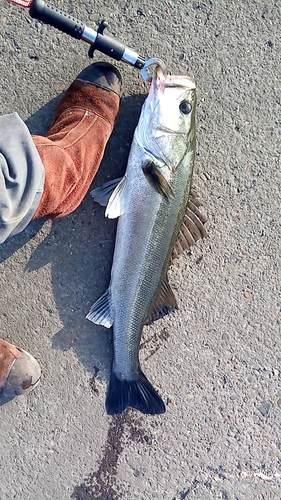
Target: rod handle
56	18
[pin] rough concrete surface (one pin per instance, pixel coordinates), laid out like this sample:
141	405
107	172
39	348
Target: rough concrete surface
217	360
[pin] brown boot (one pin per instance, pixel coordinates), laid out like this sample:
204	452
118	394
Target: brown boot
74	146
19	371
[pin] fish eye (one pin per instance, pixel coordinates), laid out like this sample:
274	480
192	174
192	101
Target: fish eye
185	107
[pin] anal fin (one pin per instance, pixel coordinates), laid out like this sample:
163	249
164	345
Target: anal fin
100	313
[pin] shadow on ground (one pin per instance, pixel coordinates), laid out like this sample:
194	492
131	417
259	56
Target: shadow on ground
80	246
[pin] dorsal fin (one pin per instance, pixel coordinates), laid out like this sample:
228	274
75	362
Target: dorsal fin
193	204
193	198
192	228
164	303
157	180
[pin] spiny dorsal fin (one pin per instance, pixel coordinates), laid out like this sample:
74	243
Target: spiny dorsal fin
192	228
194	208
192	197
164	303
157	180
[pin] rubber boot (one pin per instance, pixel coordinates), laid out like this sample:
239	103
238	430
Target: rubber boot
19	371
74	146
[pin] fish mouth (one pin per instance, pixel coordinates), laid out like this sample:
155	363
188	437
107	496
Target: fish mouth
160	79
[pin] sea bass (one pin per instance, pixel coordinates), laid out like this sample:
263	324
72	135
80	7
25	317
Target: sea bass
158	219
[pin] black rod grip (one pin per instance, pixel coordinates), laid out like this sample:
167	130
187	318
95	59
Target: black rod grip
56	18
110	46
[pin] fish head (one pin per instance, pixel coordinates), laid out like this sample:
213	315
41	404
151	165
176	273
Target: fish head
166	128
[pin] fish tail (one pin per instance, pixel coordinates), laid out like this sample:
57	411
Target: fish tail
137	393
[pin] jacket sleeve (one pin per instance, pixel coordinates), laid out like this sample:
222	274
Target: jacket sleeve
21	176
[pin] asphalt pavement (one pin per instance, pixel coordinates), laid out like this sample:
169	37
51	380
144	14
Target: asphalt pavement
217	360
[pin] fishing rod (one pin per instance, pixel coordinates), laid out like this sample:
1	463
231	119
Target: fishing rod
107	44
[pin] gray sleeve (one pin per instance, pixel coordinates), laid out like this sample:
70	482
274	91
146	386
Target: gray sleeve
21	176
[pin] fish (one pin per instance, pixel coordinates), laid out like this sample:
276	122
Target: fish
159	219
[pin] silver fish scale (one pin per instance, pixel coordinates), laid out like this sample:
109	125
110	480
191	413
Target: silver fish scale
142	239
152	198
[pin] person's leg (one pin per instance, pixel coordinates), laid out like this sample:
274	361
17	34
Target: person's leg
49	177
21	176
74	146
19	371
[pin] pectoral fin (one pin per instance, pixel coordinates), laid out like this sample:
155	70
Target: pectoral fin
164	303
157	180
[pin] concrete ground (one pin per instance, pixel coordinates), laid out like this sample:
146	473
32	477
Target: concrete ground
217	361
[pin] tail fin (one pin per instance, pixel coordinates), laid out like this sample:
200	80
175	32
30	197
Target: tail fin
137	393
